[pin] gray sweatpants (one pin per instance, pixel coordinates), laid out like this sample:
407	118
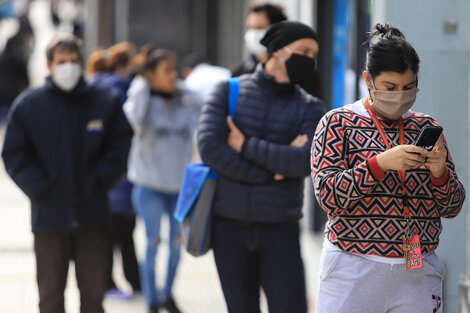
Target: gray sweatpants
352	284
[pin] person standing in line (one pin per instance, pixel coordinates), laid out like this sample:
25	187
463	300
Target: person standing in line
262	158
66	144
14	77
260	17
116	76
384	196
163	117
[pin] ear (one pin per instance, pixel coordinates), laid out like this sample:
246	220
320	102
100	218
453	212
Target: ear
49	67
366	77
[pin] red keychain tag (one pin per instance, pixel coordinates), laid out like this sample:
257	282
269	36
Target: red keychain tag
414	258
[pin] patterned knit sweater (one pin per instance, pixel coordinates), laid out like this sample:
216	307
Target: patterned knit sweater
364	204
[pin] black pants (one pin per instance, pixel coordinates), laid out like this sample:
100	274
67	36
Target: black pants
88	249
253	255
122	230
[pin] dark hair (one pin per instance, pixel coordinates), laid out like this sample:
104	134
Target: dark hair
64	42
191	60
120	54
156	57
274	12
390	52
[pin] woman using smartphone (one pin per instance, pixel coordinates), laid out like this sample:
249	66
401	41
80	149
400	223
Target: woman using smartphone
384	196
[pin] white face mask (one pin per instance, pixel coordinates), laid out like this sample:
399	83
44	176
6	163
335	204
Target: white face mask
67	75
252	41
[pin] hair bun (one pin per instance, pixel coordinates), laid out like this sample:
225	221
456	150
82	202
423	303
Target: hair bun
385	30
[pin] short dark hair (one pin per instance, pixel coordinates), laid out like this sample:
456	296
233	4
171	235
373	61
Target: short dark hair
156	57
390	52
64	42
274	12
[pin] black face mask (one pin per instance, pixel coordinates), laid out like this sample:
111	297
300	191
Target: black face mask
300	68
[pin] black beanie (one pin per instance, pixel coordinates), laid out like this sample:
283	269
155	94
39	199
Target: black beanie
283	33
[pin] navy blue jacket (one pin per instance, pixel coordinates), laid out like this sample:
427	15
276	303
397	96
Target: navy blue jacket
270	115
120	195
116	82
65	150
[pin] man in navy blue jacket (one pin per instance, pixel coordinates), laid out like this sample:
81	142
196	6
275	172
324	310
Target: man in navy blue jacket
262	158
66	144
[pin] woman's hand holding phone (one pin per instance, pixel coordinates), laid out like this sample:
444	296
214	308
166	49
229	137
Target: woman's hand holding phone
436	159
402	157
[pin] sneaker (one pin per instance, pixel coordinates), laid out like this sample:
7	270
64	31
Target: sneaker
170	305
117	294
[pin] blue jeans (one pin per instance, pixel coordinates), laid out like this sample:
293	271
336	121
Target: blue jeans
151	205
253	255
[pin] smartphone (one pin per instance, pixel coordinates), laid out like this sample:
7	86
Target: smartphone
428	137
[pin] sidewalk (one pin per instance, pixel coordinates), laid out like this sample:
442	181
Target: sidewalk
197	288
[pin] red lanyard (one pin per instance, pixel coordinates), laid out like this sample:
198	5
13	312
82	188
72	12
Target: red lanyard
401	173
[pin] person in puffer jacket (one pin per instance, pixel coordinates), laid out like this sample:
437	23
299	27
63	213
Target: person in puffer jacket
163	117
66	145
262	158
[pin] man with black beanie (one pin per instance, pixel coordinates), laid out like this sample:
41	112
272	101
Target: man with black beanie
262	158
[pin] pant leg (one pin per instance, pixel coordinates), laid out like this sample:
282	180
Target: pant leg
353	284
149	205
126	243
234	246
113	241
281	267
174	244
52	262
417	290
91	257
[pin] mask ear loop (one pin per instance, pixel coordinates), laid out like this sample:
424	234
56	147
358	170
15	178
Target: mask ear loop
371	80
373	86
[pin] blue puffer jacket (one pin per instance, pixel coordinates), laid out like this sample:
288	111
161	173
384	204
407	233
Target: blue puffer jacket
270	115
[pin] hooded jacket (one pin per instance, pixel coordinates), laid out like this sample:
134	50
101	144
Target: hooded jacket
271	116
65	150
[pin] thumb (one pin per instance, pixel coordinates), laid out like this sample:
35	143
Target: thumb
440	143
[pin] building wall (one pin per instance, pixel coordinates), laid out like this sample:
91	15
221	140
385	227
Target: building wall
443	83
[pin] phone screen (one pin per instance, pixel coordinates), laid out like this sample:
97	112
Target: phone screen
428	137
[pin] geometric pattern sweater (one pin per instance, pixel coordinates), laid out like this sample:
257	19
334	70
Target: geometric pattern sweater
365	205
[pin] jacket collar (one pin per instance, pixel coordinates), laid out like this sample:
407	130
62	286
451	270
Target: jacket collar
267	81
79	90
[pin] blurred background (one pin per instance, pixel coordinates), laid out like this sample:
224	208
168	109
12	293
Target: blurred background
438	29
